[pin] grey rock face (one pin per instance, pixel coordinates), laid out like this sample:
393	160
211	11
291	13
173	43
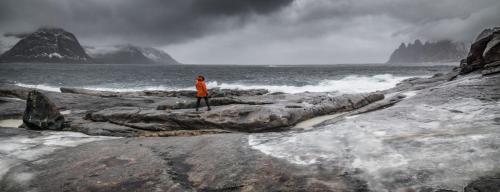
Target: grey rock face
41	113
484	51
47	45
492	50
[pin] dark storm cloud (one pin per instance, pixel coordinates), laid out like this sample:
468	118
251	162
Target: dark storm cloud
257	31
155	22
341	31
232	7
457	19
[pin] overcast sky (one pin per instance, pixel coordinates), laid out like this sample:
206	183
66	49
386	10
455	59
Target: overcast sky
256	31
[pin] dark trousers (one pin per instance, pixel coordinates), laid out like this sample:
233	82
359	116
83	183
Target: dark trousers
199	100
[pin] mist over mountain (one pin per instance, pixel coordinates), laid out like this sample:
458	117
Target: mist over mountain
130	54
439	51
55	45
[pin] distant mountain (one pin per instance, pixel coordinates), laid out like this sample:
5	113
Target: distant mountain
129	54
47	45
440	51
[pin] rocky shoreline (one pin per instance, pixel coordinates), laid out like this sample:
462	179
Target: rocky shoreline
426	134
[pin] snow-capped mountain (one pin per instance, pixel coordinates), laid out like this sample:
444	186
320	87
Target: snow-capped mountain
130	54
47	45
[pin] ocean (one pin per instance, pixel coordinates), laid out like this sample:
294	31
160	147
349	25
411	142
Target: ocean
275	78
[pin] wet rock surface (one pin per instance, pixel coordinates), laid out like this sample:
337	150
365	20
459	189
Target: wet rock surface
131	114
442	137
205	163
435	135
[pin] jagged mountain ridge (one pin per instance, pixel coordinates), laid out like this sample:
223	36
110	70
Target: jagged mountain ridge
418	52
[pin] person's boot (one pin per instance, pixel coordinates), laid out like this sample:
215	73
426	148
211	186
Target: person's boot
196	109
208	109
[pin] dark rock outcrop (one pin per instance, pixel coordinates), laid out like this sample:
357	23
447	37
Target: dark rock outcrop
485	51
47	45
41	113
440	51
129	54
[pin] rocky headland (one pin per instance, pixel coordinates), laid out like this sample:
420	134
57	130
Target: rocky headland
426	134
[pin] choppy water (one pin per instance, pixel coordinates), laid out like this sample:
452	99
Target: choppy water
292	79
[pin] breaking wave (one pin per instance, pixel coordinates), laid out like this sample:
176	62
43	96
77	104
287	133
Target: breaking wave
348	84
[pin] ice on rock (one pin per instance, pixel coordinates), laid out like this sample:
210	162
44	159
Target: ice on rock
18	149
443	145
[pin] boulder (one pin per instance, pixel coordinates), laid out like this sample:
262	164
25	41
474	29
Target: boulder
483	51
41	113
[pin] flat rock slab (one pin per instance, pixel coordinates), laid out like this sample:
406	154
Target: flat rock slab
236	117
204	163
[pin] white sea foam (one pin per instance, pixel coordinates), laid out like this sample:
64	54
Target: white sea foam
40	86
349	84
11	123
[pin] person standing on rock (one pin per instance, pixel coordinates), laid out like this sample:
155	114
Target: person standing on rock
201	92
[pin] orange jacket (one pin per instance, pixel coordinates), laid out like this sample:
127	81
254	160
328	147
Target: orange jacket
201	89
